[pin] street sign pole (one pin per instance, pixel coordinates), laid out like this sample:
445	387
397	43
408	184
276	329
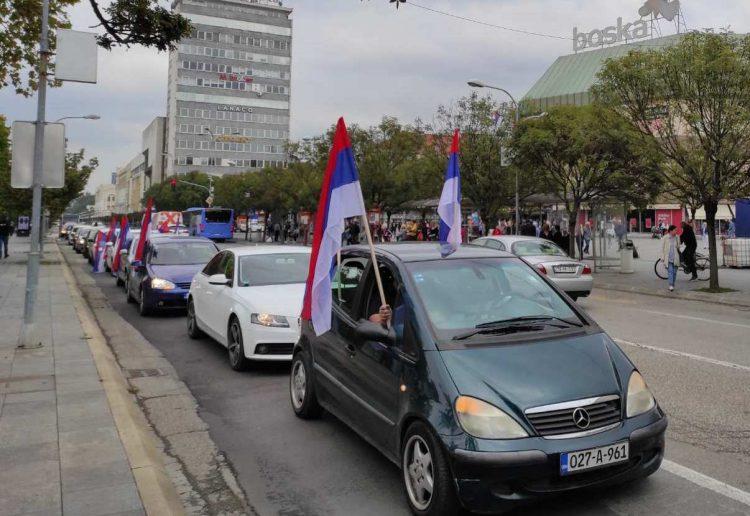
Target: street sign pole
29	338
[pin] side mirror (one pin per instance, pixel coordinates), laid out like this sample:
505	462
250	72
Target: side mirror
123	252
368	330
218	279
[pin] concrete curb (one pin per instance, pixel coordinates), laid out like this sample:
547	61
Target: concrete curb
718	299
156	490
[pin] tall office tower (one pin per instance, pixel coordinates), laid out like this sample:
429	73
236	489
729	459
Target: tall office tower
229	87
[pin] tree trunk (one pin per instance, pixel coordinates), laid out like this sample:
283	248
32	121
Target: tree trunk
711	207
572	222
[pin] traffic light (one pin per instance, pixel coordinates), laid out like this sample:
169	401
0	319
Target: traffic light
173	184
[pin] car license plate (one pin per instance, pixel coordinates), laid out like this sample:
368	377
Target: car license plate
565	269
573	462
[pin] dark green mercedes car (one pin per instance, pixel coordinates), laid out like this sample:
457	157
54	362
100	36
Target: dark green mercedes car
487	387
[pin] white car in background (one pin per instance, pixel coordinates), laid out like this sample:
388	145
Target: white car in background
571	275
249	299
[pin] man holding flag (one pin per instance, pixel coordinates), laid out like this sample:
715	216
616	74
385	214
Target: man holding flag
340	198
449	207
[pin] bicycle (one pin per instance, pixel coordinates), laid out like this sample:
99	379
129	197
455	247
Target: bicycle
702	268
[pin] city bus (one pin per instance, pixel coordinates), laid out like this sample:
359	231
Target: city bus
214	223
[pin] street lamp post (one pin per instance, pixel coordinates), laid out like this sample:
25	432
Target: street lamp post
517	118
82	117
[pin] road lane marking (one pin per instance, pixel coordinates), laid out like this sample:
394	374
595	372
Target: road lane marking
700	358
717	486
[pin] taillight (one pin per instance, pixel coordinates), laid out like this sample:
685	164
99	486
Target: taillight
541	268
586	269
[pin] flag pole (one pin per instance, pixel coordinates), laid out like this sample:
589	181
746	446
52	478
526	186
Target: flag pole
378	280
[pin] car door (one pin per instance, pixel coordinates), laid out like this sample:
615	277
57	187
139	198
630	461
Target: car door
204	294
333	350
224	295
376	368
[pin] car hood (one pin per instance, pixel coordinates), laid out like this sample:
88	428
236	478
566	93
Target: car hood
520	376
283	300
176	273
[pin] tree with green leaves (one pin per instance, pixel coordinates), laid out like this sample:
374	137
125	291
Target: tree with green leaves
184	196
123	22
586	155
485	179
691	100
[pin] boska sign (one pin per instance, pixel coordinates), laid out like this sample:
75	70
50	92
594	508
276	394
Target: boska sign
608	35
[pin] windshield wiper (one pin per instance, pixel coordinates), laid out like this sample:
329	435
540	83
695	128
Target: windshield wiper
516	324
525	318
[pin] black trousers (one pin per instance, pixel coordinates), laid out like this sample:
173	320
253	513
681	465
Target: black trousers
689	257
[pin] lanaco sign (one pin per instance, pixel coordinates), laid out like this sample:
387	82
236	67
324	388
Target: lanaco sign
608	35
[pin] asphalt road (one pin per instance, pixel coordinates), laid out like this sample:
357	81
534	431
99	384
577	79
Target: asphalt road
695	357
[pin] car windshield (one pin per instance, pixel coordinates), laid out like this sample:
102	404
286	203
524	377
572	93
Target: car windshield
273	269
182	253
536	248
218	215
459	294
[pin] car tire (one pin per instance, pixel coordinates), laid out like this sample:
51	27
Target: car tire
118	281
143	310
106	267
128	296
235	346
192	323
423	459
302	387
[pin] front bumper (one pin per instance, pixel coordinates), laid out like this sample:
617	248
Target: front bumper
268	344
490	481
175	298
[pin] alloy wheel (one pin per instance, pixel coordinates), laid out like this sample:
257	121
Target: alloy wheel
298	380
418	472
235	343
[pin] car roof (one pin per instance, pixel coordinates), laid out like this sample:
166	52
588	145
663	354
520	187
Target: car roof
425	251
509	239
249	250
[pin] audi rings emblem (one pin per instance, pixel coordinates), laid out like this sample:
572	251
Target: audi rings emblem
581	418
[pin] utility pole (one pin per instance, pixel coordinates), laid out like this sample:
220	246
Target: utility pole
28	338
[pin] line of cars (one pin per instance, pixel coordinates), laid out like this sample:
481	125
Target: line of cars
487	386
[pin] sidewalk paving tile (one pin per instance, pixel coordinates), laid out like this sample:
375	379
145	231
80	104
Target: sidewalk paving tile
60	452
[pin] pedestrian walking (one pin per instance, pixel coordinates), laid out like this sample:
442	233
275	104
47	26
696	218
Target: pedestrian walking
670	254
545	233
586	237
6	229
276	232
688	240
704	234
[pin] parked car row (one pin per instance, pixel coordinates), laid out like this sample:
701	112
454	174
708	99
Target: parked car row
485	383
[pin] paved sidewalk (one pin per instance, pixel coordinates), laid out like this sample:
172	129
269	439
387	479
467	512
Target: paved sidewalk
60	452
645	281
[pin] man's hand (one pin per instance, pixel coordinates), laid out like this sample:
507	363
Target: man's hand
383	316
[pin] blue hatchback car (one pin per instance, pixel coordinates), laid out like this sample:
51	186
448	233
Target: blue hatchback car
162	279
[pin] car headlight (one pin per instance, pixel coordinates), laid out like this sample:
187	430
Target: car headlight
275	321
162	284
81	241
486	421
639	399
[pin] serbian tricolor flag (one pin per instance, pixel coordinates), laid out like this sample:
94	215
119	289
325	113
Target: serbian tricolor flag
449	207
122	237
145	230
111	233
99	246
340	198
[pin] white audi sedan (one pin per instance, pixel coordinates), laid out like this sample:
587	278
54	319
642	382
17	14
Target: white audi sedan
571	275
249	299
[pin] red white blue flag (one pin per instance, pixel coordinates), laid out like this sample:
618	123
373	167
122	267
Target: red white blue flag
449	207
145	230
121	238
340	198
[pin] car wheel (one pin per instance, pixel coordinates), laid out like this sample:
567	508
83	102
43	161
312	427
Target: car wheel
236	349
192	324
302	388
118	281
106	267
428	480
128	296
143	309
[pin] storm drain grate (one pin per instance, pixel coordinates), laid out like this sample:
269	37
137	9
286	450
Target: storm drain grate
140	373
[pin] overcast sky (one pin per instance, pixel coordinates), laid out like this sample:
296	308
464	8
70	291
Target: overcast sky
359	59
